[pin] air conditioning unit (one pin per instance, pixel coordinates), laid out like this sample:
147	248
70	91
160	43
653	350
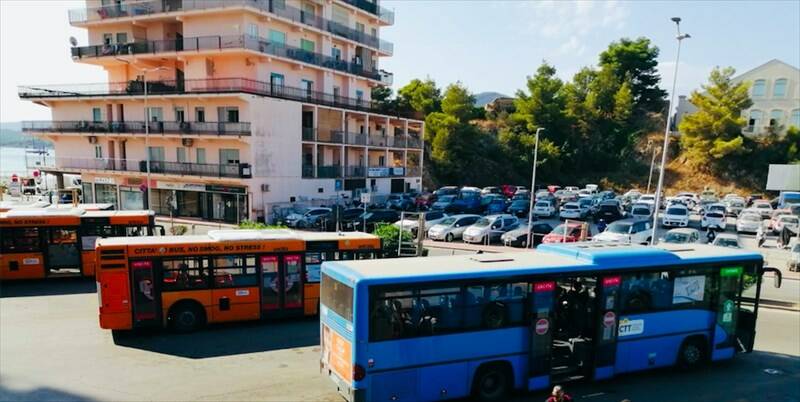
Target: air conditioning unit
187	142
92	139
265	188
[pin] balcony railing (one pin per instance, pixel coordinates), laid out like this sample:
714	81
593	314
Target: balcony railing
385	171
253	43
138	127
308	171
204	86
333	136
229	170
413	171
384	14
355	171
309	133
134	9
329	172
354	138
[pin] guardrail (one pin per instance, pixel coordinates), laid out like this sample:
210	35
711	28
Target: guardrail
138	127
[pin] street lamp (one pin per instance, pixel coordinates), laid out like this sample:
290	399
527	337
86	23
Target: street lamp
146	124
680	37
533	187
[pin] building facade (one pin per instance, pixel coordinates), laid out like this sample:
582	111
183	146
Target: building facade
775	92
238	105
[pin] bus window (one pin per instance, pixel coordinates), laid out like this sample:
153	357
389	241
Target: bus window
134	231
365	255
293	297
184	274
63	236
20	240
337	296
314	260
235	271
270	297
646	291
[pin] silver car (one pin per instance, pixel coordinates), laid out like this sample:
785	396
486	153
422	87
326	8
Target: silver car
452	227
749	222
490	228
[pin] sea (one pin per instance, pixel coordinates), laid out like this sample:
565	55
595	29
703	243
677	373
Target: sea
12	161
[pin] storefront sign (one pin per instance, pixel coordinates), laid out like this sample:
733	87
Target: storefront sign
166	185
217	188
378	172
397	171
104	180
630	327
134	181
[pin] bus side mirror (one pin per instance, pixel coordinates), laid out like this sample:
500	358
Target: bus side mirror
777	276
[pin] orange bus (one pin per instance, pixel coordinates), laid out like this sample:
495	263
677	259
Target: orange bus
55	242
186	282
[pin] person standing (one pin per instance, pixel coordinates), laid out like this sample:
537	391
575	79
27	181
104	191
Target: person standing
558	395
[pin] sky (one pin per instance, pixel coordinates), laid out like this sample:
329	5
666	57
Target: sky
487	45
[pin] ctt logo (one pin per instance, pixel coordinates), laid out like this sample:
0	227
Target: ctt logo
629	327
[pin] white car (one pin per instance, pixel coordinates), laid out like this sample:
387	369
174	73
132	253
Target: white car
713	219
727	240
649	199
544	208
627	231
573	189
794	256
763	207
676	216
490	228
572	210
634	194
681	236
790	221
748	222
451	227
412	224
308	218
641	211
584	193
592	187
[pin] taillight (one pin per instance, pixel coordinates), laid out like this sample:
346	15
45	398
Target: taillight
358	373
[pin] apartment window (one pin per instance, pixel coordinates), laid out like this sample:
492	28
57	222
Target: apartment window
275	81
336	53
775	117
779	90
381	160
180	154
795	119
308	9
180	115
201	155
122	37
374	32
229	114
228	156
759	88
98	151
308	86
252	30
155	113
359	96
156	153
307	45
277	37
336	92
97	114
199	114
340	15
755	118
279	4
360	27
108	38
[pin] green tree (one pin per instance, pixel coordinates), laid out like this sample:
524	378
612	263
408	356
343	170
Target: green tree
382	97
714	132
636	60
421	96
458	102
542	105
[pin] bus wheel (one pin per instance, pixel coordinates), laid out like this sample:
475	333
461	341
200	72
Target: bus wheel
492	382
692	353
186	317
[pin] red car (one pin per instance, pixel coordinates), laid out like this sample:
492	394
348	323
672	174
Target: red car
509	190
553	188
557	235
424	201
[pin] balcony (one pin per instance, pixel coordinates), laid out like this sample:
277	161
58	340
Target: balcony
413	171
243	42
332	137
322	171
204	86
146	8
353	138
231	170
309	133
355	171
138	127
383	171
385	15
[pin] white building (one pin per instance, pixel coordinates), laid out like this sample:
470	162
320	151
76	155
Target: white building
775	92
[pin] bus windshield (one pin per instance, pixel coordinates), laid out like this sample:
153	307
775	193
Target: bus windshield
337	296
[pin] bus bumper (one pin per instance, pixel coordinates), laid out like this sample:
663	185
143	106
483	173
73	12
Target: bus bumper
347	392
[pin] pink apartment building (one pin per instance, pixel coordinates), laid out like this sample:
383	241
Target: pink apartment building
252	104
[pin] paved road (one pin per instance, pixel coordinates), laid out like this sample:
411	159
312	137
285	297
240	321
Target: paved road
52	349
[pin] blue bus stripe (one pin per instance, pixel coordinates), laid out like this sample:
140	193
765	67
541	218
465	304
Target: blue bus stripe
438	363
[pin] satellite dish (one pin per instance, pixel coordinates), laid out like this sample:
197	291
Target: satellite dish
73	41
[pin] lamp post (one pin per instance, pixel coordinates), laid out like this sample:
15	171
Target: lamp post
533	188
680	37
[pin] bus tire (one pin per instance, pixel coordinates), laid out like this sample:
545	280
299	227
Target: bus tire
692	353
186	316
493	382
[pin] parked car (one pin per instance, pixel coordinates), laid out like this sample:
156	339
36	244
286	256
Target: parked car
592	187
627	231
789	221
508	190
374	217
793	264
609	211
648	199
411	223
557	235
708	196
468	201
641	211
424	201
525	195
571	210
586	203
753	197
308	218
400	202
451	227
446	190
681	236
493	204
584	193
730	196
491	190
727	240
748	222
519	236
675	216
544	208
713	219
490	227
607	195
519	208
443	203
734	206
573	189
763	207
633	194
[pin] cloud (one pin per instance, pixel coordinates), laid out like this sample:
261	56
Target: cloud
574	20
573	46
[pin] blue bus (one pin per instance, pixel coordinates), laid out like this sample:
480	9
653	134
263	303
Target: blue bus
484	325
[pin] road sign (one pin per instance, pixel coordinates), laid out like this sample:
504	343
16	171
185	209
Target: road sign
542	325
609	319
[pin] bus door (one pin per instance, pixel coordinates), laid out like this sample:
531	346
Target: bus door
62	250
573	329
724	344
145	302
606	322
281	284
541	314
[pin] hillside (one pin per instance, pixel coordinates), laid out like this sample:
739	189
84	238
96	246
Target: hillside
484	98
11	136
